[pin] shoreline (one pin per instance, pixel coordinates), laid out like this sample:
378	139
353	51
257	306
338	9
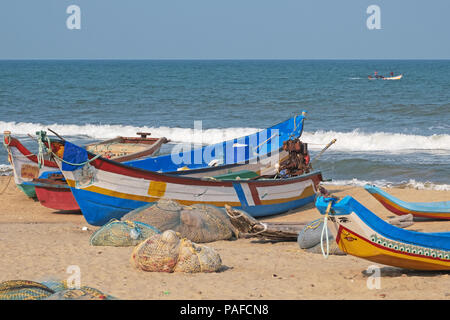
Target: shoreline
39	244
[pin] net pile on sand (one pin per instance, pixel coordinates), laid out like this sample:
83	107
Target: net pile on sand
166	252
24	290
84	293
31	290
309	239
199	223
122	234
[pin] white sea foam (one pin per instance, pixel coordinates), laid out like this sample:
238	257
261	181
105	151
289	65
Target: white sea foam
94	131
411	184
5	169
378	141
353	141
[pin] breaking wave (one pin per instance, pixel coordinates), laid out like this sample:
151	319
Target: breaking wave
378	141
353	141
105	131
5	169
410	184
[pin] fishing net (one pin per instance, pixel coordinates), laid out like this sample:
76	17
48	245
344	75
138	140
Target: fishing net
166	252
51	290
83	293
309	238
199	223
122	234
23	290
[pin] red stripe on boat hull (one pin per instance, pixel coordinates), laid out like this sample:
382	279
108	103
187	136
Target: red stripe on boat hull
15	143
57	198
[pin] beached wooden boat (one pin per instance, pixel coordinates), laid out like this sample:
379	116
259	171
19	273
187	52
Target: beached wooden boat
53	192
245	149
106	189
254	150
26	167
25	164
435	210
361	233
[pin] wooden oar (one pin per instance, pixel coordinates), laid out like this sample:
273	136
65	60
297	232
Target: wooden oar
321	152
56	134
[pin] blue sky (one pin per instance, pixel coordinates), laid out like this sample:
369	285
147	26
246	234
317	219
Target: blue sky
226	29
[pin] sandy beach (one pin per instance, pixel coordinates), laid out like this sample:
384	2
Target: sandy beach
40	244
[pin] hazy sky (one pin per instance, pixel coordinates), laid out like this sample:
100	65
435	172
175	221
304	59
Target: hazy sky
226	29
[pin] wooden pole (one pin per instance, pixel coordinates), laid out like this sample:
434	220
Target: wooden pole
248	227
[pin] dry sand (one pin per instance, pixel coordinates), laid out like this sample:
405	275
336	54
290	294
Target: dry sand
39	244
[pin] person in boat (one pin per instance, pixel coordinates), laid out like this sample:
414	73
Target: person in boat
392	74
377	76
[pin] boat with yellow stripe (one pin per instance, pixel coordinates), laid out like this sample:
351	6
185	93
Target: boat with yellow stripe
361	233
435	210
393	77
106	189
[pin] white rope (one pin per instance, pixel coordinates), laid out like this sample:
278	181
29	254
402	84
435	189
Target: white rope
42	148
265	228
325	230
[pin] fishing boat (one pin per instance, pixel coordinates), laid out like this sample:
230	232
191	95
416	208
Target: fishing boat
53	192
385	78
435	210
29	167
253	151
245	149
105	189
361	233
26	165
393	78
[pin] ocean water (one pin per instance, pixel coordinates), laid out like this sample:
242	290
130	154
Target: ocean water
388	132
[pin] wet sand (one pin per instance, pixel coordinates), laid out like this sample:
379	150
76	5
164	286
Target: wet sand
39	244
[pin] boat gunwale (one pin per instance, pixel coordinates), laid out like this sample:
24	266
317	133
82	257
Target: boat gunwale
115	167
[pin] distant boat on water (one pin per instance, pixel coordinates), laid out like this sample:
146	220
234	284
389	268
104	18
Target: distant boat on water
392	77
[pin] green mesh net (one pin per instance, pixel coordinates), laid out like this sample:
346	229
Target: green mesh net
166	252
83	293
122	234
31	290
23	290
199	223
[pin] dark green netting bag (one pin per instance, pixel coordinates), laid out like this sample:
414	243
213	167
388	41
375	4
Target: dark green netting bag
122	233
199	223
